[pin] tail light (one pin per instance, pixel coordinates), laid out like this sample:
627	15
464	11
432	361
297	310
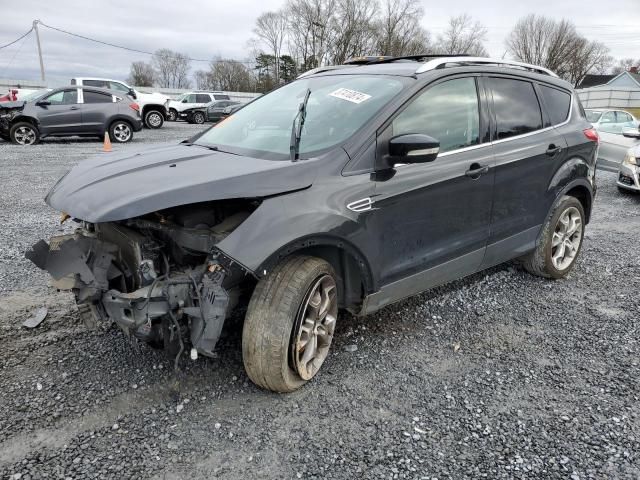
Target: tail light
592	134
134	106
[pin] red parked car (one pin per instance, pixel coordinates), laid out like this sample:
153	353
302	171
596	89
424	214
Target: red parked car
12	96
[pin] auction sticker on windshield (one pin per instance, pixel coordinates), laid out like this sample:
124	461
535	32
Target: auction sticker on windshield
352	96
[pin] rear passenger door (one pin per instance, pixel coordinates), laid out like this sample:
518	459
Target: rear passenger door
202	99
97	108
528	150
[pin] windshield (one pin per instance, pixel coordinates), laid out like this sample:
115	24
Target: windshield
593	116
338	106
34	95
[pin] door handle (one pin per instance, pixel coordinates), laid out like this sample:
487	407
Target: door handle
476	170
73	108
553	150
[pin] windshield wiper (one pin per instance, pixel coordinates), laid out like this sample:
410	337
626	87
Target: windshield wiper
296	128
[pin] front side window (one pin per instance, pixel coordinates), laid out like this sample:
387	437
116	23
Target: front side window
338	106
191	98
119	87
516	107
624	117
557	103
95	97
64	97
447	112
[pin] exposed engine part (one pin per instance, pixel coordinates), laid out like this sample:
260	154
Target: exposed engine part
160	282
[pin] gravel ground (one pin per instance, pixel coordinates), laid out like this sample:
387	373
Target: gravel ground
500	375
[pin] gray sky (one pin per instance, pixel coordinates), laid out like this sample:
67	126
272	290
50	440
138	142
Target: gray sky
205	28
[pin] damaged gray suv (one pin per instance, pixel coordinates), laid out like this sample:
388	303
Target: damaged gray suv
351	188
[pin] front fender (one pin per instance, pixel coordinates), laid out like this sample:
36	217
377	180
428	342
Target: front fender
278	227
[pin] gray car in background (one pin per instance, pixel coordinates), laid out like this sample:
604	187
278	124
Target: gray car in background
70	111
610	124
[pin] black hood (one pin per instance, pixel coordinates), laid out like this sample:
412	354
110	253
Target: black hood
118	186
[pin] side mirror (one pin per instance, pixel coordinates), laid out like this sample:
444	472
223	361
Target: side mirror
132	93
630	132
184	101
413	148
43	103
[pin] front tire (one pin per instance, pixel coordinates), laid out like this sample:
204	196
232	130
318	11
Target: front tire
24	133
290	323
173	115
153	119
561	241
120	132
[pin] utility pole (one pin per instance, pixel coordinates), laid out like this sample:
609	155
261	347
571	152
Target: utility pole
35	28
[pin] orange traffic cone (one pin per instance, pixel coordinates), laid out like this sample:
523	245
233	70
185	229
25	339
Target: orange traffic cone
107	143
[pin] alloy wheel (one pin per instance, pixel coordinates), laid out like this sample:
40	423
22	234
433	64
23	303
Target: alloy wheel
198	118
122	132
25	135
154	119
566	238
316	324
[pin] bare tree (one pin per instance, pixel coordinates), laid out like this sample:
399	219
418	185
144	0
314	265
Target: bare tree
463	36
141	74
309	31
352	29
556	45
271	30
171	69
398	31
625	65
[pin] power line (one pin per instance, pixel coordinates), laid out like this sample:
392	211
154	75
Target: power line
129	48
17	39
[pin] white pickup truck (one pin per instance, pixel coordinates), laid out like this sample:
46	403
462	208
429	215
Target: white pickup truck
153	106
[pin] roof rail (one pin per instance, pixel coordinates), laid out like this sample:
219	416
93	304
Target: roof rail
326	68
371	60
442	62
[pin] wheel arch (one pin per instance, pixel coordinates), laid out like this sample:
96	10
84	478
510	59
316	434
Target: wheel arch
574	178
355	278
154	106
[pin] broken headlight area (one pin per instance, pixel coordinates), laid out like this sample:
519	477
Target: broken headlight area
158	277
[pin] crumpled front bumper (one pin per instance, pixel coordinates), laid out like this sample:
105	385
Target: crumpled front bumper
86	264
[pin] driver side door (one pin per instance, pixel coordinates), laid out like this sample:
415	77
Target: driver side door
433	219
62	115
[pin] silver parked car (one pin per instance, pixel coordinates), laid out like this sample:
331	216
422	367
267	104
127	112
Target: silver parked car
613	144
629	170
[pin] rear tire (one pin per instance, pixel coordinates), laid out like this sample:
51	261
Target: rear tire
24	133
286	337
198	118
153	119
561	241
120	132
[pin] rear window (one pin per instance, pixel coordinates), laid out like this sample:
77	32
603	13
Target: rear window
557	104
96	97
516	107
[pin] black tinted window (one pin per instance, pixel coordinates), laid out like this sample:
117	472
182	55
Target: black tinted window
516	107
221	97
202	98
95	83
95	97
557	103
447	112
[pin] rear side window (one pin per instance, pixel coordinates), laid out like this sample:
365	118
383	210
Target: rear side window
557	104
95	97
95	83
202	98
516	107
221	97
447	112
